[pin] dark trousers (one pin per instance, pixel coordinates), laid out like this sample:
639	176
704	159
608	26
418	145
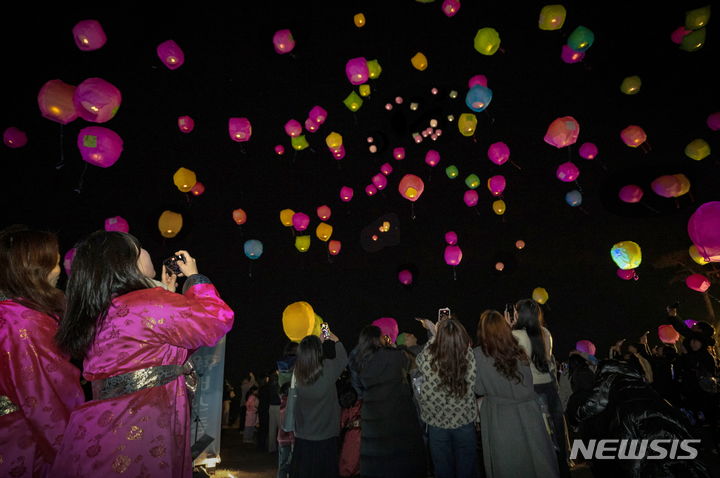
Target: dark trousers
454	451
548	394
314	459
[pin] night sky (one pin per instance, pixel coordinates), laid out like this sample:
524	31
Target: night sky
232	70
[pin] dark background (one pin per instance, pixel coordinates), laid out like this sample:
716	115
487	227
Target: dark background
231	70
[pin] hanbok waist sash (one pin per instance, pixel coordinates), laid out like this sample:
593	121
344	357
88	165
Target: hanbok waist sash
136	380
7	406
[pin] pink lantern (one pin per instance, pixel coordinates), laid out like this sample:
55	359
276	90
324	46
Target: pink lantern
380	181
311	126
89	35
585	346
588	151
283	41
55	100
562	132
171	54
496	185
240	129
97	100
99	146
451	238
678	34
633	136
386	169
471	198
399	153
453	255
346	193
334	247
117	223
411	187
356	71
198	189
450	7
567	172
371	190
630	193
704	230
405	277
626	274
432	158
279	149
667	334
498	153
186	124
388	326
293	128
324	213
697	282
68	260
478	80
14	138
339	153
713	121
300	221
318	114
568	55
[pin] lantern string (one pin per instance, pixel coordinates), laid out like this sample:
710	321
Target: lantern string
412	211
454	273
650	208
250	270
515	164
78	189
61	163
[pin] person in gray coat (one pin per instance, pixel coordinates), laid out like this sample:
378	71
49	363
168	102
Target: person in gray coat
515	439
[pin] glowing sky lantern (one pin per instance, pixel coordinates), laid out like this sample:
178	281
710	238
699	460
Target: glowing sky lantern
198	189
300	221
14	137
380	181
496	184
405	277
334	247
388	326
116	223
671	185
68	260
318	114
477	80
467	123
283	41
588	151
693	41
626	274
704	230
170	223
97	100
499	207
89	35
323	231
451	238
386	169
170	54
562	132
713	121
253	249
55	101
667	334
239	216
298	320
419	61
399	153
471	198
452	171
353	101
633	136
552	17
450	7
487	41
99	146
581	39
334	140
364	89
567	172
346	193
478	98
540	295
630	193
697	18
452	255
293	128
432	158
324	213
359	20
374	69
585	346
411	187
573	198
356	70
472	181
184	179
310	125
186	124
570	56
631	85
302	243
626	254
286	216
299	143
695	256
240	129
279	149
697	149
697	282
498	153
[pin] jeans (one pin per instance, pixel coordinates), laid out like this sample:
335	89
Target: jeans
284	455
454	451
548	394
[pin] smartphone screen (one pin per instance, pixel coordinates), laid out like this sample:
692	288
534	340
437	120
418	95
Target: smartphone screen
325	330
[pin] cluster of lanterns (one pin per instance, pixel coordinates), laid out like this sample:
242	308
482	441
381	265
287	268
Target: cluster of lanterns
300	222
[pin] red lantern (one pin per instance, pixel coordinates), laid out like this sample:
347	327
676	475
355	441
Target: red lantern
562	132
411	187
239	216
334	247
324	213
667	334
198	189
186	124
698	282
633	136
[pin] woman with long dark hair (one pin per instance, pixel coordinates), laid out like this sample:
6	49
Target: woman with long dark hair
39	386
317	410
391	440
536	341
135	340
447	400
515	439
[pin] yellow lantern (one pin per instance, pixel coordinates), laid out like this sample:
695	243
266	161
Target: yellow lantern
683	185
170	223
317	329
540	295
419	61
302	243
487	41
467	124
324	231
695	255
697	149
298	321
299	142
499	207
353	101
631	85
184	179
374	69
552	17
359	20
364	89
334	140
286	216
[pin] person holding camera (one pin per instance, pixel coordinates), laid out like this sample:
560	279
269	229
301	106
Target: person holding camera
135	340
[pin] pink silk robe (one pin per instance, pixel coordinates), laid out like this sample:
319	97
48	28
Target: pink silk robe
145	433
42	382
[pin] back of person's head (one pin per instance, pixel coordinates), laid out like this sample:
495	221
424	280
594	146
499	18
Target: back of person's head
284	389
669	352
707	332
369	342
27	260
576	362
105	266
496	340
530	319
448	356
347	395
290	349
308	366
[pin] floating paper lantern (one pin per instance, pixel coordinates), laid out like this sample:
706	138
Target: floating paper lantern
499	207
117	223
552	17
697	149
293	128
451	238
570	56
371	190
573	198
419	61
55	100
356	71
359	20
667	334
453	255
89	35
697	18
697	282
386	169
198	189
498	153
631	85
690	323
432	158
283	41
14	137
324	213
310	125
318	114
628	274
279	149
253	249
452	171
588	151
353	102
540	295
467	123
170	54
302	243
170	224
586	347
487	41
626	254
97	100
99	146
405	277
471	198
478	98
671	186
374	69
713	121
630	193
334	247
704	230
633	136
472	181
399	153
411	187
388	326
581	39
346	193
693	41
286	217
186	124
364	90
299	143
477	80
323	231
240	129
499	266
695	256
567	172
562	132
496	184
450	7
239	216
68	260
520	244
184	179
380	181
300	221
298	320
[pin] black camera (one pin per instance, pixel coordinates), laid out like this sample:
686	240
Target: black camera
171	264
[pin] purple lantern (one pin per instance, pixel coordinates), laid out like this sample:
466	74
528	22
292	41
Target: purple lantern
380	181
293	128
453	255
89	35
68	260
370	190
432	158
283	41
346	193
318	114
690	323
630	193
567	172
588	151
498	153
496	185
97	100
568	55
240	129
471	197
55	100
399	153
300	221
386	169
478	80
356	71
171	54
310	125
14	138
99	146
117	223
562	132
186	124
450	7
405	277
585	346
451	238
713	121
704	230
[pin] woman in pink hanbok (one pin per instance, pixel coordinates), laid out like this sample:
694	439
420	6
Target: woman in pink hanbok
135	341
39	386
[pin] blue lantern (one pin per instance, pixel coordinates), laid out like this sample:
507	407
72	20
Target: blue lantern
581	39
573	198
478	98
253	249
